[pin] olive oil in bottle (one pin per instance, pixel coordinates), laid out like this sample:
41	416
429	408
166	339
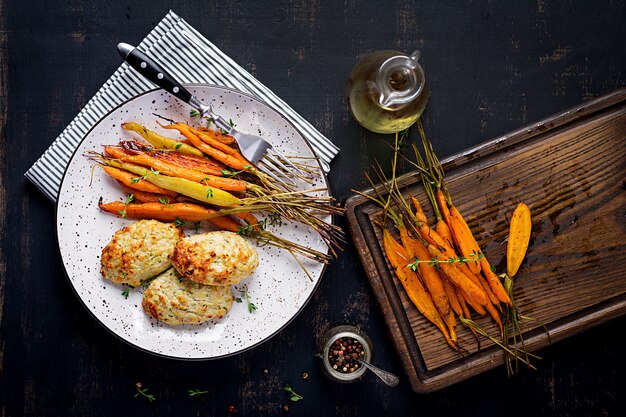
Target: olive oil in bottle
387	91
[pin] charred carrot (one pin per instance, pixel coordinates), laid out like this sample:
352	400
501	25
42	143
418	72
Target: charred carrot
195	190
519	237
165	168
132	181
199	163
398	258
222	157
161	142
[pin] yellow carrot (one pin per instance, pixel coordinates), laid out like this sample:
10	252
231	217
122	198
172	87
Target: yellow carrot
161	142
519	237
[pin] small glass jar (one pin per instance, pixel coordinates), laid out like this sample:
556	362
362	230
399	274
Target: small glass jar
387	91
324	347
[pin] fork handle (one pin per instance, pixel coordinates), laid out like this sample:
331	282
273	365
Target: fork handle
154	72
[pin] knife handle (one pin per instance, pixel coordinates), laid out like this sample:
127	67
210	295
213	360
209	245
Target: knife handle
154	72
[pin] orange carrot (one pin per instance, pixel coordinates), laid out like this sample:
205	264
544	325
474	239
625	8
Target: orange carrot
249	218
144	196
444	231
416	250
165	168
475	293
494	282
135	182
199	163
222	137
464	239
399	259
222	157
477	307
209	137
452	296
442	203
170	213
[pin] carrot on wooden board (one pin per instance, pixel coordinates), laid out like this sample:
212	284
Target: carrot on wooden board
220	156
452	296
170	212
131	180
464	239
430	277
398	258
519	237
475	292
442	203
494	282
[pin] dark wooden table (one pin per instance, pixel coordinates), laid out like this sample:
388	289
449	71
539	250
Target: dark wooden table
492	67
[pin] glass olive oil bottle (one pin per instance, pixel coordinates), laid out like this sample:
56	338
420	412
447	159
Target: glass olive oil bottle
387	91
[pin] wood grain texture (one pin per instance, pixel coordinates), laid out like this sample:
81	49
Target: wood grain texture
492	67
570	172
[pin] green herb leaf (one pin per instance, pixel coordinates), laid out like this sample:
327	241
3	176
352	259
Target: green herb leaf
134	180
194	113
178	145
293	395
126	293
143	392
179	222
196	392
165	201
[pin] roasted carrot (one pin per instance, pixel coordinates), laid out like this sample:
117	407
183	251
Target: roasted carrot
199	163
165	168
519	237
475	293
217	154
463	303
222	137
134	182
444	231
452	296
146	197
209	137
398	258
464	239
442	204
494	282
200	192
250	219
161	142
430	277
170	212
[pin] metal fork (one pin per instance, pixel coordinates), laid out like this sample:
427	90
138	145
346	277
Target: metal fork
254	148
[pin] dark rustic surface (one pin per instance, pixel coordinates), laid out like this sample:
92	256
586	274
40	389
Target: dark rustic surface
578	225
492	67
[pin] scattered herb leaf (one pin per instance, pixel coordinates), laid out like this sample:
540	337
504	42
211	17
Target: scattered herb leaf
293	395
196	392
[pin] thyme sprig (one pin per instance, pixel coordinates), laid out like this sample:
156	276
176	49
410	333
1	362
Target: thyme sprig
143	392
246	296
196	392
435	262
293	396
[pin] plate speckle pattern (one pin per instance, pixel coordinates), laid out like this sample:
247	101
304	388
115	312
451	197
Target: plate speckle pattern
278	287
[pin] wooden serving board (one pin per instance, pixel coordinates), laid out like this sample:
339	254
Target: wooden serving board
570	169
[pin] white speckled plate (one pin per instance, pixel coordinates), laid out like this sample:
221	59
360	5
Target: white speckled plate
279	287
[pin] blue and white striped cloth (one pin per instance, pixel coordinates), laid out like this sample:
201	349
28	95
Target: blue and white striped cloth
172	41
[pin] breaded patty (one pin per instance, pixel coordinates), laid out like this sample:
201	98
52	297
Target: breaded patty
215	258
139	251
173	299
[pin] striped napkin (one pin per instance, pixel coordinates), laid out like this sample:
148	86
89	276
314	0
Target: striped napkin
172	41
